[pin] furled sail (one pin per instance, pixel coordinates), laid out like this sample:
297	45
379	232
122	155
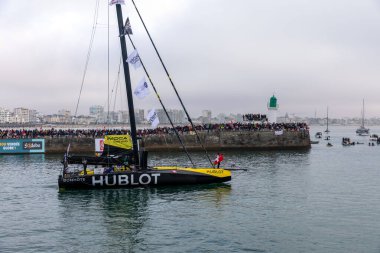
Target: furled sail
117	150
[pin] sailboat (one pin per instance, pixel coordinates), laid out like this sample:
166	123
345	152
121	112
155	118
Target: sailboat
327	121
124	164
362	131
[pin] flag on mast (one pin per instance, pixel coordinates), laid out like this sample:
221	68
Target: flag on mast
142	89
134	59
152	118
127	28
117	2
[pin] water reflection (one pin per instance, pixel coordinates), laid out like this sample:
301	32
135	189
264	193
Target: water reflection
117	216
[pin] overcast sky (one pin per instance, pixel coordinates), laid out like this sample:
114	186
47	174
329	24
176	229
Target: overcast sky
226	56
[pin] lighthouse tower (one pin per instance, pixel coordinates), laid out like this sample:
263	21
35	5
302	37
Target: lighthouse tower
272	109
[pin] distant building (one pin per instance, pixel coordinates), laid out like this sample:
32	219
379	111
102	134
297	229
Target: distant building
54	119
122	117
221	118
112	117
33	116
85	120
64	112
97	111
206	116
65	116
177	116
5	115
139	116
21	115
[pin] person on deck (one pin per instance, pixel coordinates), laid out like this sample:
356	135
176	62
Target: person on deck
219	158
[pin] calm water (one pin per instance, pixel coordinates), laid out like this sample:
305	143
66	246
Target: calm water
323	200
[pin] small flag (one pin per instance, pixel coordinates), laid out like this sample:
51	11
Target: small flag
127	28
134	59
117	2
142	89
152	118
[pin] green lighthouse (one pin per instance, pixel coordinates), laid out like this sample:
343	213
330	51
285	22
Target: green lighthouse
272	108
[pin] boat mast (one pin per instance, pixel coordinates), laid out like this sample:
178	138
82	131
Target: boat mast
363	115
128	85
327	119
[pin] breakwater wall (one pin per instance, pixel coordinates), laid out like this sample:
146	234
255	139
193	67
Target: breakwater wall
215	140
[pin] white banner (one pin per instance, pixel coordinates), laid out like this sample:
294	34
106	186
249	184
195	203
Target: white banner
279	132
134	59
152	118
142	89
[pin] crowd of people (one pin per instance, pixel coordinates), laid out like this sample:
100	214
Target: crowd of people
99	133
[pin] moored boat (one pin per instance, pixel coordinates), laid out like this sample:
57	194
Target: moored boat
347	141
123	163
362	131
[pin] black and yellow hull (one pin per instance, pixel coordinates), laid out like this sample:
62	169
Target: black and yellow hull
157	176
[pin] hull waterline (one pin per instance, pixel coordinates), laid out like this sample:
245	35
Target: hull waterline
155	177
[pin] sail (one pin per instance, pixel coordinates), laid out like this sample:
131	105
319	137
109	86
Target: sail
117	145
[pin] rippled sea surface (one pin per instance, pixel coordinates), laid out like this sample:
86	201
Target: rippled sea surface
326	199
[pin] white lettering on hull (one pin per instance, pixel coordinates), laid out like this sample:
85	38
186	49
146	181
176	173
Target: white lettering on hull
120	180
113	180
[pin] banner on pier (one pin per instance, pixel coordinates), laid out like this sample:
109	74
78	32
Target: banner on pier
22	146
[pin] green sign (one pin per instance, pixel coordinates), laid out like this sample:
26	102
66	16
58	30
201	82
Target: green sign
22	146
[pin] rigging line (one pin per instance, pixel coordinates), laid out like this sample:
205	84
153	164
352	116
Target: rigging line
114	88
88	54
116	85
171	81
108	63
163	107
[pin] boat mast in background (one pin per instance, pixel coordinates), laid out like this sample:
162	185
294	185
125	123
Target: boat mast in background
363	115
362	130
327	121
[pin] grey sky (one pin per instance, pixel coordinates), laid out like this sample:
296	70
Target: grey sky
227	56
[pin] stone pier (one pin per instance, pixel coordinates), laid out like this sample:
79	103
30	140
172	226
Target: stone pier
214	140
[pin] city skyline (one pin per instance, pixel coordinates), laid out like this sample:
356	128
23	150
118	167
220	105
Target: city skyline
222	56
97	115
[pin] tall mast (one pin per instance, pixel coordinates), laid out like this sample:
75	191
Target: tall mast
128	85
363	114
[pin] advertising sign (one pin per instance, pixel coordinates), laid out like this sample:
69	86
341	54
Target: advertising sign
22	146
99	146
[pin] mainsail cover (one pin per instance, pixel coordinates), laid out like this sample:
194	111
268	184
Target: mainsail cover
117	145
117	150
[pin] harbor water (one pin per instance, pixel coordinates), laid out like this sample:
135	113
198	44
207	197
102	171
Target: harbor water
326	199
